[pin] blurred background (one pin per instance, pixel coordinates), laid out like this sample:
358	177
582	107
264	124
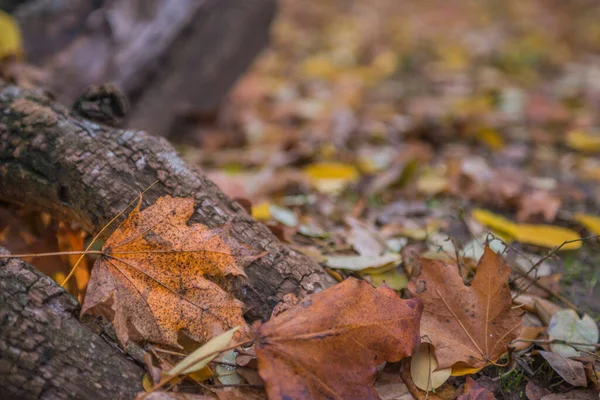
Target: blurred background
404	115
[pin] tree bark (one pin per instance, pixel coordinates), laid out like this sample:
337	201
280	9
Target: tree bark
55	161
52	160
45	352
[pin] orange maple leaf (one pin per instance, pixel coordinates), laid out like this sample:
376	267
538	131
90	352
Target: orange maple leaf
328	346
468	324
150	279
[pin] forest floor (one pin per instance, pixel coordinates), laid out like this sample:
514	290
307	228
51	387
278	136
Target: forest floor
371	131
379	127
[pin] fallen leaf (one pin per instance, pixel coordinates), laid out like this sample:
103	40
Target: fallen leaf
527	333
329	345
392	278
538	203
548	236
423	369
573	395
389	386
539	235
10	37
151	278
262	211
469	324
360	263
535	392
330	177
583	141
364	239
567	326
474	391
202	356
591	222
570	370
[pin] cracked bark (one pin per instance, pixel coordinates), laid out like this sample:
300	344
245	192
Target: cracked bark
52	160
45	352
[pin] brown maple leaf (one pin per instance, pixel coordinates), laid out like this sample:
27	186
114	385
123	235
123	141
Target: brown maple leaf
468	324
474	391
150	279
328	346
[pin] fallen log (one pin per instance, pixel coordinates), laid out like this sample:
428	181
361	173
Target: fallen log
77	170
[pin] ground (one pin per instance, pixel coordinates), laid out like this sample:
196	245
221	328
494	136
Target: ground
374	130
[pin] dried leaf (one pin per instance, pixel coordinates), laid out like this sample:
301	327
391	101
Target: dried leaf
202	356
360	263
539	235
329	177
591	222
151	282
583	141
10	37
364	239
469	324
567	326
329	345
570	370
538	203
423	369
474	391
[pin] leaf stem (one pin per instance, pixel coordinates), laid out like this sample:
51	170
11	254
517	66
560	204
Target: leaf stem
102	230
57	253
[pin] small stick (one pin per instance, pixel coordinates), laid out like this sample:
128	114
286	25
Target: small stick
550	341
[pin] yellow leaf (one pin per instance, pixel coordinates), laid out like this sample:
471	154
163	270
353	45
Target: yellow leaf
319	67
202	375
460	369
262	211
547	236
583	141
59	277
393	278
10	37
431	183
538	235
202	356
331	177
491	139
147	382
495	221
591	222
423	365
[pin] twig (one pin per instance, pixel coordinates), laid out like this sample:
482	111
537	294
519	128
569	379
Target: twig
550	341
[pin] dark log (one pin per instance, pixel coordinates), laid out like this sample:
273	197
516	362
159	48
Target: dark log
52	160
45	352
55	161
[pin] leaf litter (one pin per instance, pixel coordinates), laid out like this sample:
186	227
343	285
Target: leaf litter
410	118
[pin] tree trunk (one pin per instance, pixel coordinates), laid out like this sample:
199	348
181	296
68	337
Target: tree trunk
52	160
45	352
187	51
